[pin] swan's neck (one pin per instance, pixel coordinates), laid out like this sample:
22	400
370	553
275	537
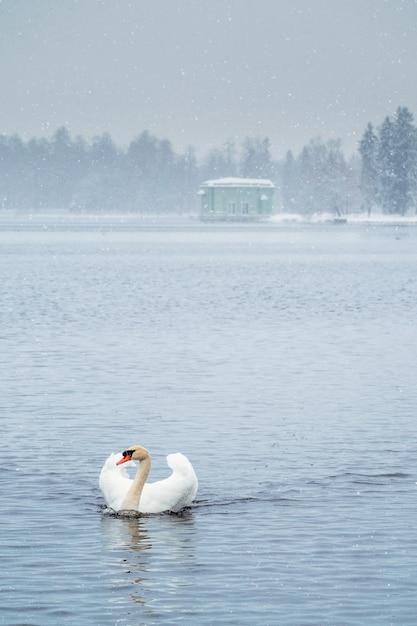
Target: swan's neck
132	498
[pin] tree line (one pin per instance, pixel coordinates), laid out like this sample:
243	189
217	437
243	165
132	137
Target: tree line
389	164
150	177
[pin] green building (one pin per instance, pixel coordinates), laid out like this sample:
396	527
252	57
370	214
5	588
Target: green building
236	199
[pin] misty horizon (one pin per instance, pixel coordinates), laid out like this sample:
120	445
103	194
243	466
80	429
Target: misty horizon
201	73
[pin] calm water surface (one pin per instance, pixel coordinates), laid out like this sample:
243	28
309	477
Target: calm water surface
280	360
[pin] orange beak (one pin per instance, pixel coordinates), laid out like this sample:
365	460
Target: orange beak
124	459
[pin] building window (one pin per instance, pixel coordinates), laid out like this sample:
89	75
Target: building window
245	208
232	207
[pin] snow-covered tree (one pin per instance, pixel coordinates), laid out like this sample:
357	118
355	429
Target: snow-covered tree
102	187
368	150
319	180
397	162
220	162
256	160
405	160
188	179
386	165
290	183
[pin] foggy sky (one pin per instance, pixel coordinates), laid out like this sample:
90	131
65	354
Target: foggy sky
199	72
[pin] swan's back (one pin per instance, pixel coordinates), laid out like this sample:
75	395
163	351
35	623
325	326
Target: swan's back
172	493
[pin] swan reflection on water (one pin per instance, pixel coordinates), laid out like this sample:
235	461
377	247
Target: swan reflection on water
124	533
136	548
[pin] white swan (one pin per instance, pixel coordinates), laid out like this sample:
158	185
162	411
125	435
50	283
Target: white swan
171	494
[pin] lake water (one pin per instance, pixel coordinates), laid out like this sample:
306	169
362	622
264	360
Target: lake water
281	359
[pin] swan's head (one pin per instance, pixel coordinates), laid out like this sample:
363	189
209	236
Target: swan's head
134	453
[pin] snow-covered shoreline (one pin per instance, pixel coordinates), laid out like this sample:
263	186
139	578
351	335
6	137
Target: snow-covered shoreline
351	218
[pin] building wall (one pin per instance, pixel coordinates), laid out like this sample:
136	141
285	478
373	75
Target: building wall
237	202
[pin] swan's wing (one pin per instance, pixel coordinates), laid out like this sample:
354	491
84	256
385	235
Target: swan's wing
114	481
172	493
180	464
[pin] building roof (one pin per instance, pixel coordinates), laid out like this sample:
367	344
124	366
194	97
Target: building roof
239	182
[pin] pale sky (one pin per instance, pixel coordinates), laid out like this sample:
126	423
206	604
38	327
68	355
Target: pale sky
200	72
